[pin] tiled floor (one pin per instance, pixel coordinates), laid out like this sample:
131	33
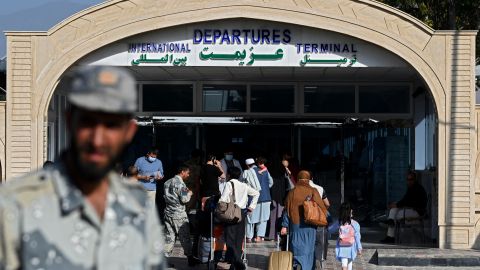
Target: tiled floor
257	255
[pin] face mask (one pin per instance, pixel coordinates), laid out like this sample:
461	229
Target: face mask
228	157
151	159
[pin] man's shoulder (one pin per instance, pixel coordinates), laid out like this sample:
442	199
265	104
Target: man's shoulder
140	159
29	186
175	181
238	183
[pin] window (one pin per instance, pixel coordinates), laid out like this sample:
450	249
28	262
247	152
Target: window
224	98
384	99
273	98
167	98
329	99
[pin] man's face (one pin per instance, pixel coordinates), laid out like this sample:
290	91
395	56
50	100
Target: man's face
185	174
152	155
98	140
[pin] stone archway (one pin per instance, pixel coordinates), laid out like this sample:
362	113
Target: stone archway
442	58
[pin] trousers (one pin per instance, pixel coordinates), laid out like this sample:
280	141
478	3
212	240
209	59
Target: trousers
400	213
177	227
234	235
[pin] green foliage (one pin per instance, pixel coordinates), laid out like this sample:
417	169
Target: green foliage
443	14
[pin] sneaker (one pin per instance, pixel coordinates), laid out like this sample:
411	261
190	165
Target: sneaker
259	239
249	240
388	240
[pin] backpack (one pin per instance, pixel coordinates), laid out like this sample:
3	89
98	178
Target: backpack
346	235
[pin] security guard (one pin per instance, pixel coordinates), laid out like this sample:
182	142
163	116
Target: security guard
79	214
177	195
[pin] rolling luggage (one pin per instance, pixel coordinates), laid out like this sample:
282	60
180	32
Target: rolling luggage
281	260
204	249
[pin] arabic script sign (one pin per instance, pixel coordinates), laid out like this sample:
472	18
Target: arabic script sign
255	43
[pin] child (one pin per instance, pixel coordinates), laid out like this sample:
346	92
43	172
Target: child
348	243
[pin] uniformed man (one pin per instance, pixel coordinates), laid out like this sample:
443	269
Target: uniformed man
79	214
177	195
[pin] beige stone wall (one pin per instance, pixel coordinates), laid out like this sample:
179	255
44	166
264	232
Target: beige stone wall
460	195
476	187
20	99
444	59
3	106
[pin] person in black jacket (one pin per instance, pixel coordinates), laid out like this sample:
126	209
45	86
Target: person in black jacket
412	205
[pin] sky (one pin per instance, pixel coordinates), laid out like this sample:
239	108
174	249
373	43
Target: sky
36	15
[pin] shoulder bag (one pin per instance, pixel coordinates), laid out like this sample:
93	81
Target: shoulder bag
229	212
313	213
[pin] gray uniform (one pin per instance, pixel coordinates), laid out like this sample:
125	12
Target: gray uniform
176	220
46	223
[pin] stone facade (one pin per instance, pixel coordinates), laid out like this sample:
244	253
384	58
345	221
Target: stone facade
444	59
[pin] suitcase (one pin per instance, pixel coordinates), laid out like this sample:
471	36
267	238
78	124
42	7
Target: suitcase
204	249
281	260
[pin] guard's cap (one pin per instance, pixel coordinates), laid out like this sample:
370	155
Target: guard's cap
103	88
249	161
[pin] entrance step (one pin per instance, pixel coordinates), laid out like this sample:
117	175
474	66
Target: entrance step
427	257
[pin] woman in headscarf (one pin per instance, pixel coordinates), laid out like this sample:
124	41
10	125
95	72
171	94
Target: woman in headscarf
302	235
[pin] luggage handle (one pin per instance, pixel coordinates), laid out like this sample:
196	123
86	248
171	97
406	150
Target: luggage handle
278	241
212	239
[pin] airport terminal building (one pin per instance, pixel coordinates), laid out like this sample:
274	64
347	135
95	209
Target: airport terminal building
356	81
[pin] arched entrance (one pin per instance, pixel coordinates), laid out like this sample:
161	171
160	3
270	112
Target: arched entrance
40	59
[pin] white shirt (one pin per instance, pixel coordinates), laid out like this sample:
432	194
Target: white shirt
317	187
250	177
242	191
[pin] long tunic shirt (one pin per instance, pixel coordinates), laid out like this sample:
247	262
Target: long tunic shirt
302	235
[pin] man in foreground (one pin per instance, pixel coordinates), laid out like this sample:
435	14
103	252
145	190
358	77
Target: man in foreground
79	214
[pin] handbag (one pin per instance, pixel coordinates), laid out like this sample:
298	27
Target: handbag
313	213
229	212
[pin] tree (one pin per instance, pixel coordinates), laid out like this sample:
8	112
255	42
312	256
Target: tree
444	14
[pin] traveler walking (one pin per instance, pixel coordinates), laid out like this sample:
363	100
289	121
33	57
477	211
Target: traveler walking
211	172
302	235
210	175
321	239
258	220
348	242
235	233
193	182
279	190
249	177
79	214
177	195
